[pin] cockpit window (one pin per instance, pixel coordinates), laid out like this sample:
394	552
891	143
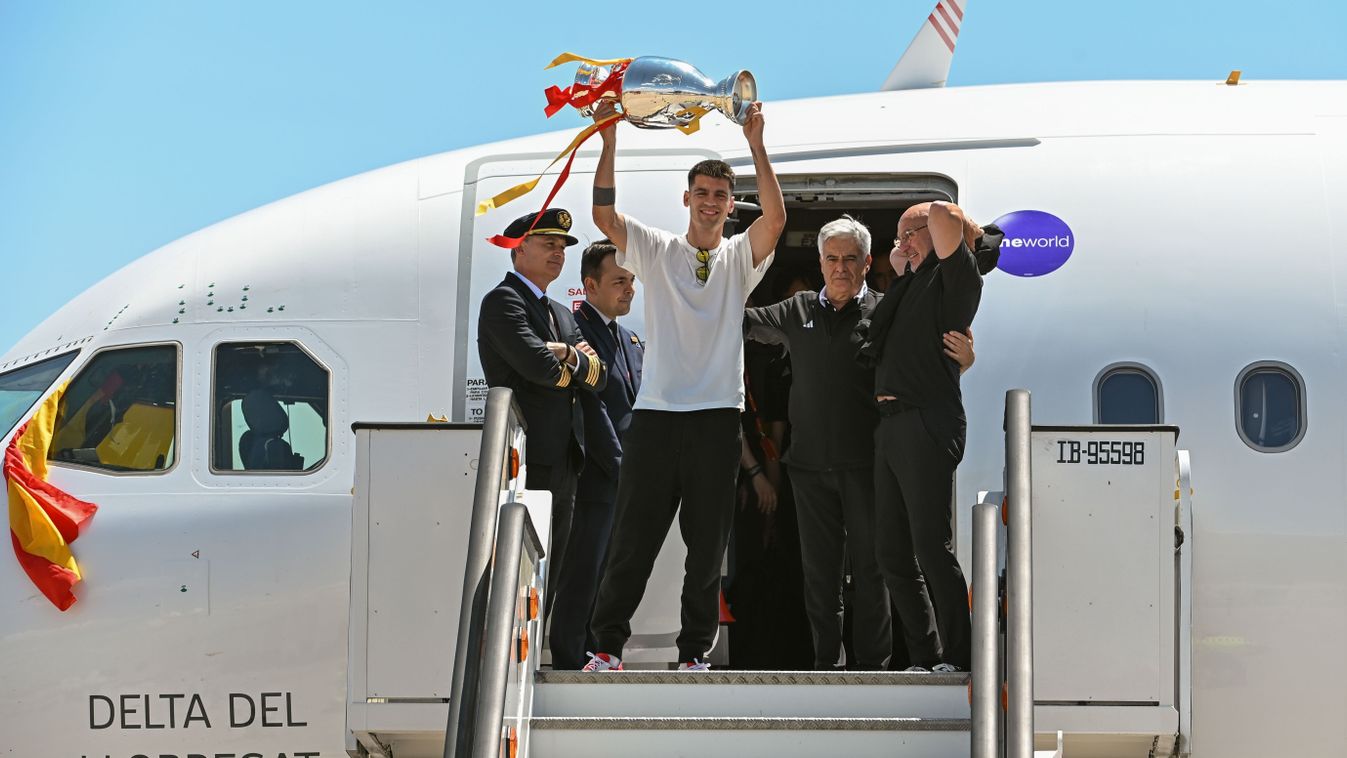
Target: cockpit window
120	411
22	387
270	405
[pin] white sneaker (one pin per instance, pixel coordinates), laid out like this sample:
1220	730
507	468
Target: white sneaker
917	670
946	668
695	665
602	662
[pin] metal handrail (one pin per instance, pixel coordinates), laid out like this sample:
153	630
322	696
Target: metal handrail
514	535
500	420
1019	579
986	642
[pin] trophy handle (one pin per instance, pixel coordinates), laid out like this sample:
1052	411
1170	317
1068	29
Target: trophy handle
735	94
591	76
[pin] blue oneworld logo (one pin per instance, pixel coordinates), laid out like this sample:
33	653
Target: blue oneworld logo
1036	243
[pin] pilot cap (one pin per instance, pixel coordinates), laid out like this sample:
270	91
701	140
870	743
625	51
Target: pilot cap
553	221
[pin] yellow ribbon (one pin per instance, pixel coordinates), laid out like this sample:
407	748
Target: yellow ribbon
696	112
520	190
573	58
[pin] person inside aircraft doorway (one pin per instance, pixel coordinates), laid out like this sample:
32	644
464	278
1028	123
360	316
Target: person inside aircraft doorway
532	345
684	439
920	437
831	459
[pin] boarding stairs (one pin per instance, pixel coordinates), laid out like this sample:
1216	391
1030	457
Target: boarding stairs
1074	651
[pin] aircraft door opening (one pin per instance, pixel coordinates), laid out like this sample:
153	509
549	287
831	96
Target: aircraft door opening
812	200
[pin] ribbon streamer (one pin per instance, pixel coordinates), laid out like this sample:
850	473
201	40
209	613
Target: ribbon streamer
573	58
510	243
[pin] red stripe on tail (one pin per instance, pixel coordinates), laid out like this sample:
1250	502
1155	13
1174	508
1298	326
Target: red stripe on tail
939	30
953	25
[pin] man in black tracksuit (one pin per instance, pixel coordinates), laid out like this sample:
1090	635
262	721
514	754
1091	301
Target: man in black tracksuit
920	438
831	458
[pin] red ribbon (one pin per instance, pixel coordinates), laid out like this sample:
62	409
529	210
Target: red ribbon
510	243
580	96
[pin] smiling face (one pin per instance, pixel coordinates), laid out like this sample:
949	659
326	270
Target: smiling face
612	290
913	242
539	258
709	202
844	266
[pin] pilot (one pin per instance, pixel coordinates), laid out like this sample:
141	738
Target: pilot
532	345
920	437
609	289
831	457
684	438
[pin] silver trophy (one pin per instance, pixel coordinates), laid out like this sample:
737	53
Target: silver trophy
662	93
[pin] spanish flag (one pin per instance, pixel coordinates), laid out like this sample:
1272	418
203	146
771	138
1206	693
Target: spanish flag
43	520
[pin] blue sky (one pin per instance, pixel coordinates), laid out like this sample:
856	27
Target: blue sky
125	125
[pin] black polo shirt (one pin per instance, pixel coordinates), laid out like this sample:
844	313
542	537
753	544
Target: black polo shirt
832	405
940	296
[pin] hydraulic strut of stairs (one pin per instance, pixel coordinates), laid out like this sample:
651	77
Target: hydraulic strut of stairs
489	696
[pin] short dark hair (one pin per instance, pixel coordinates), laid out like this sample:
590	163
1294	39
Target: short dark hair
714	169
591	260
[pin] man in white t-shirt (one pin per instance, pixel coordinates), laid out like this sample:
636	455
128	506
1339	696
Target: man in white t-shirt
683	442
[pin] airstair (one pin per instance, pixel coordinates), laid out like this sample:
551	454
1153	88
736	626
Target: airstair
1081	618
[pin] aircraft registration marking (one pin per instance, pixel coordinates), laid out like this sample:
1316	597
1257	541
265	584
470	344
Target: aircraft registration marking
1102	452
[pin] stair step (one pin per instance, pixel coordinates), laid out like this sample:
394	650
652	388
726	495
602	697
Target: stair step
741	723
613	737
793	695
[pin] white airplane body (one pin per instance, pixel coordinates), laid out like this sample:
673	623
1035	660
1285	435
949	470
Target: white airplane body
1206	228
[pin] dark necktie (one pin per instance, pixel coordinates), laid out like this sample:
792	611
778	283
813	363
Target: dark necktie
621	354
551	318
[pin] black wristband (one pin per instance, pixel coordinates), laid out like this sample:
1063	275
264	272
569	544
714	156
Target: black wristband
754	471
605	196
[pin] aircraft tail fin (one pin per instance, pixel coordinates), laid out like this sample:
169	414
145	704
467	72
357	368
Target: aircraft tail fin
926	61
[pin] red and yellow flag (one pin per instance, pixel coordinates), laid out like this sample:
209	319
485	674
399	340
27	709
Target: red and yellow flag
43	519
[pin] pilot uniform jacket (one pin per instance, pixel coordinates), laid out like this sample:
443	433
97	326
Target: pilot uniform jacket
608	411
607	416
512	335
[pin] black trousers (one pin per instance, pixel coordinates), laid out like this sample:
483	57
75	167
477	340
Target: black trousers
836	511
668	456
914	535
560	481
578	585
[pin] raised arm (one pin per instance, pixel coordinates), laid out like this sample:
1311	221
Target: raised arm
606	217
764	232
948	227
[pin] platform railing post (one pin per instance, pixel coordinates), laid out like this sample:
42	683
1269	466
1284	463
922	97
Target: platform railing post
496	648
986	645
481	543
1019	579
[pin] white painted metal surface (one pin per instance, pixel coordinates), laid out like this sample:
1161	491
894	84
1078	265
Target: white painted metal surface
1103	562
413	500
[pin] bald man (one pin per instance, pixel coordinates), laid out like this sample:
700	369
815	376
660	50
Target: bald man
920	437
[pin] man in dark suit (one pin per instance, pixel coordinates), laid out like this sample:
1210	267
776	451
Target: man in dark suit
532	345
609	289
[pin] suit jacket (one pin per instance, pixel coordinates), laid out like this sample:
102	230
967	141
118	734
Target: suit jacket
608	412
513	330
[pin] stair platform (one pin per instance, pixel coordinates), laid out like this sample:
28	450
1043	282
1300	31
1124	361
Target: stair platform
781	713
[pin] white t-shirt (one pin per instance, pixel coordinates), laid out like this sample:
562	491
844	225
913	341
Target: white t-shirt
694	357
